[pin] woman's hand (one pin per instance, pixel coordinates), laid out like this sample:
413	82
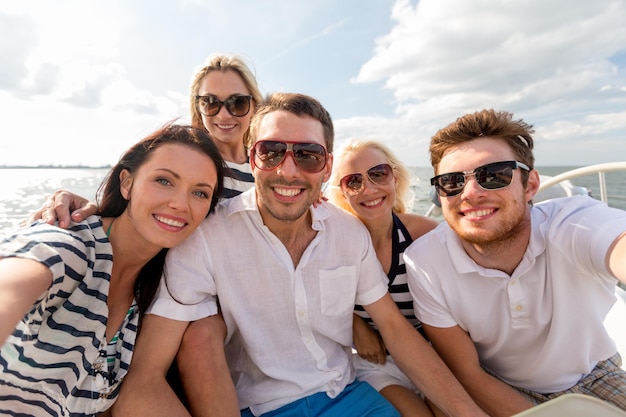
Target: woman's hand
367	342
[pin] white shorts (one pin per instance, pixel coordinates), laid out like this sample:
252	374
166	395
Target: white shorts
381	376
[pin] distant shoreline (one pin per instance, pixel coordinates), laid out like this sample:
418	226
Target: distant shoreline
53	167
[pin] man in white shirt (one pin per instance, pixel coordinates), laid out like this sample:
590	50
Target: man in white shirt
288	275
513	296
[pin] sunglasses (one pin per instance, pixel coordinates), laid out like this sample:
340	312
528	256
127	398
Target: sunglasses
309	157
237	105
352	184
489	177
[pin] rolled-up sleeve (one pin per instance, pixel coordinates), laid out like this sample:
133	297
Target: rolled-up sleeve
187	288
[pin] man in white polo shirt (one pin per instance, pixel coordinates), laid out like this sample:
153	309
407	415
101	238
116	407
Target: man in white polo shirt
513	296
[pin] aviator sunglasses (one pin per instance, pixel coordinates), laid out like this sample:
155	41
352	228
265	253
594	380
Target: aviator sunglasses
237	105
309	157
352	184
489	177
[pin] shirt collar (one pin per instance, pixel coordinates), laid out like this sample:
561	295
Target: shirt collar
246	201
464	264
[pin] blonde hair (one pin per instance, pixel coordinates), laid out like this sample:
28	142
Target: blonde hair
404	195
223	62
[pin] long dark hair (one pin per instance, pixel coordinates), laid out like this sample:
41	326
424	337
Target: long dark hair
111	203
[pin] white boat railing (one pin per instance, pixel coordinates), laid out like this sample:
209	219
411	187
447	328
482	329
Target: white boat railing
600	169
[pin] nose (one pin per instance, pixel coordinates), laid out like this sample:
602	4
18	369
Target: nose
179	200
471	187
367	187
288	167
223	113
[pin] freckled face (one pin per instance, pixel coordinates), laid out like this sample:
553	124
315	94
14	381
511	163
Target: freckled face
170	194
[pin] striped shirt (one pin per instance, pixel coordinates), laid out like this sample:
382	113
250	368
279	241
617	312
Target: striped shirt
55	362
237	179
397	278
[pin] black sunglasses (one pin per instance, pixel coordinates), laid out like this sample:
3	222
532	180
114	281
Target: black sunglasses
237	105
352	184
490	177
309	157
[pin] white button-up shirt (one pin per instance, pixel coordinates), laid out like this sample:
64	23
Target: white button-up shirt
289	328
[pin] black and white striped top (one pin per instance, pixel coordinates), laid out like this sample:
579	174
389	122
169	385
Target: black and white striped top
237	179
397	278
55	362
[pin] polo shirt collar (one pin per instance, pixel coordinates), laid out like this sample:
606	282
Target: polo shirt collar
462	263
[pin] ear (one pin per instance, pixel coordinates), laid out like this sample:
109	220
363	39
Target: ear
251	158
533	184
328	168
125	184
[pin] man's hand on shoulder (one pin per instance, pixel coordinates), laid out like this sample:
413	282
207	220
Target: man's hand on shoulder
58	207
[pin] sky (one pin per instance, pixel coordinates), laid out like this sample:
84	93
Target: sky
81	81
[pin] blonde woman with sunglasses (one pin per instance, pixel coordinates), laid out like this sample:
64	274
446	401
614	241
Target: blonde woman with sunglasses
223	97
372	184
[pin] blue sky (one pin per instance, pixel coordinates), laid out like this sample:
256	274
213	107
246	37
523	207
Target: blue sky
80	81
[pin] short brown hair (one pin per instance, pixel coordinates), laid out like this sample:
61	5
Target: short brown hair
298	104
485	123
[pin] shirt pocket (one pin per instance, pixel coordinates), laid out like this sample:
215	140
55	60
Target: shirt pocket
338	290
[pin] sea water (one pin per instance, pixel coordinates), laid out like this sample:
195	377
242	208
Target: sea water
23	190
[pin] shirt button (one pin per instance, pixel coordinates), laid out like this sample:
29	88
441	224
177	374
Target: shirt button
518	308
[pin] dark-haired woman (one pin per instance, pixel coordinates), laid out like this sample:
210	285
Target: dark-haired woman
71	301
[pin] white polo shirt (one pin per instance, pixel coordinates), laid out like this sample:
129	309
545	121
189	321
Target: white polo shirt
289	328
542	327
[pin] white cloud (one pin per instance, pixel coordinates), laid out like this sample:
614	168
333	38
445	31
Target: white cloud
543	60
71	88
89	78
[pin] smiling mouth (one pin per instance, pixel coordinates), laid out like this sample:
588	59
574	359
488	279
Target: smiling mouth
287	192
225	126
372	202
478	213
170	222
